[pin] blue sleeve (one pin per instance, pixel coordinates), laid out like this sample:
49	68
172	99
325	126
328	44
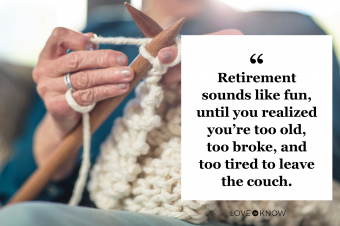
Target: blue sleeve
22	164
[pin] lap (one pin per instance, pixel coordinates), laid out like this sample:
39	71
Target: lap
52	214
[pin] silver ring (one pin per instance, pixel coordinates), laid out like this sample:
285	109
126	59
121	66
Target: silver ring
67	81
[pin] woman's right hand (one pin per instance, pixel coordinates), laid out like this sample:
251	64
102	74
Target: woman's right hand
96	75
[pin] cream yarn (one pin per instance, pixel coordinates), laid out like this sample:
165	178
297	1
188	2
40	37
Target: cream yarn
139	166
86	163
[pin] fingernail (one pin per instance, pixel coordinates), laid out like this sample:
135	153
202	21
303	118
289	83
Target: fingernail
126	72
122	86
121	59
166	56
90	47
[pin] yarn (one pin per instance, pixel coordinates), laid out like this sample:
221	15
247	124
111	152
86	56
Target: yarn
86	163
120	41
139	166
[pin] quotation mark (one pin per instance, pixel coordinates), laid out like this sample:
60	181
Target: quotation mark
255	213
253	61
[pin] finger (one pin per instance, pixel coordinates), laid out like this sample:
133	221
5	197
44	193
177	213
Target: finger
62	39
92	35
82	60
227	32
90	78
172	76
168	54
89	96
58	107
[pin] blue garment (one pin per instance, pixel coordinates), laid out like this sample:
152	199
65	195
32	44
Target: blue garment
253	23
42	214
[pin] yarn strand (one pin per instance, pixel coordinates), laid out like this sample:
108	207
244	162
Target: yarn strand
85	165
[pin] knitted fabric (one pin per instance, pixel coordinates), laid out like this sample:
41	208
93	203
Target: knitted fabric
139	166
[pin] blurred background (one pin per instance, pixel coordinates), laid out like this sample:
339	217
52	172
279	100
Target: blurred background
25	25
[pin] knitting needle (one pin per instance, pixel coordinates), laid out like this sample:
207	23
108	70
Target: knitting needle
71	144
148	26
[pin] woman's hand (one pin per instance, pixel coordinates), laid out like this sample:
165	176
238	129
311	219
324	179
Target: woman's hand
96	75
169	54
111	79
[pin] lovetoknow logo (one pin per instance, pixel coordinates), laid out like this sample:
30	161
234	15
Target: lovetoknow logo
255	213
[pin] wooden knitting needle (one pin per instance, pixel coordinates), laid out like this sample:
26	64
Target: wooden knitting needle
148	26
71	144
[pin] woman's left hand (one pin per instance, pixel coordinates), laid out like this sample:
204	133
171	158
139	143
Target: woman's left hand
169	54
